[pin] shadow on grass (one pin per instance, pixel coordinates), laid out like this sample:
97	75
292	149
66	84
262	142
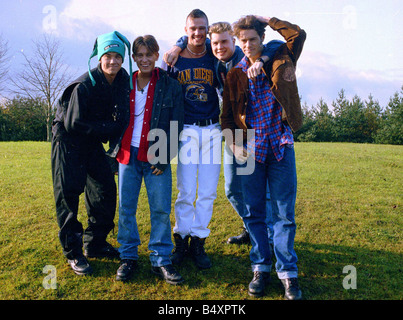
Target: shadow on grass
378	275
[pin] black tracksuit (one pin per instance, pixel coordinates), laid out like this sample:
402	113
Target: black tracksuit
87	116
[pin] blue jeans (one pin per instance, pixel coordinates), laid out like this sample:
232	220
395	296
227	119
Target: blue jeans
282	179
233	190
159	192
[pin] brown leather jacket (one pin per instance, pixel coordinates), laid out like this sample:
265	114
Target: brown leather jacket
281	72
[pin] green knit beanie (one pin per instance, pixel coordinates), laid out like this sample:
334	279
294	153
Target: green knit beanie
110	42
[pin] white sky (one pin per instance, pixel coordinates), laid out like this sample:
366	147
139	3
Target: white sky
355	45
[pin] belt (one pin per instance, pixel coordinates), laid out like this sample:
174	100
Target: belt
203	123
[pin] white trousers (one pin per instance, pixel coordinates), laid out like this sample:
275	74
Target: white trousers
198	171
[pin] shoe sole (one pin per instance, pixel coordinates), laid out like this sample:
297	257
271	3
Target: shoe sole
256	295
86	273
166	280
123	279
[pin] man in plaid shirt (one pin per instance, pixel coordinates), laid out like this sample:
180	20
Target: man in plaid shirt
270	106
264	115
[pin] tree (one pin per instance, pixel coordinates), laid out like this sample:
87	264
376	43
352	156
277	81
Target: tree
350	121
3	62
323	128
22	119
391	127
372	114
44	77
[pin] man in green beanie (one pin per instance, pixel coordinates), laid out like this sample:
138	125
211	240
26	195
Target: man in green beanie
93	110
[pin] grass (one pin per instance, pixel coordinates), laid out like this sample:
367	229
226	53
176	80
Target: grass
348	212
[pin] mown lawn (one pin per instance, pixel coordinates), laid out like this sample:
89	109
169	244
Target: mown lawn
348	212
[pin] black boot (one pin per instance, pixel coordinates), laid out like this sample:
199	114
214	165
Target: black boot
243	238
126	269
196	250
180	250
105	250
258	283
292	290
168	273
80	265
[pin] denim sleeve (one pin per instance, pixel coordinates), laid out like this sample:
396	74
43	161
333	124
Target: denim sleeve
182	42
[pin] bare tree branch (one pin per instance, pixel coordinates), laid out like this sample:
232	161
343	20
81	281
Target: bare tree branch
3	62
44	76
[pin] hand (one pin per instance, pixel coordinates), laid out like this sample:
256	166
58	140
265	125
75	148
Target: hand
255	69
171	56
240	153
263	19
156	171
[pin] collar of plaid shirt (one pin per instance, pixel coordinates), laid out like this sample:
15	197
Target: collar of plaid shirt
264	115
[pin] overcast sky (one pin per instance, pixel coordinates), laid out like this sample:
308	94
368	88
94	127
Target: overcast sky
356	45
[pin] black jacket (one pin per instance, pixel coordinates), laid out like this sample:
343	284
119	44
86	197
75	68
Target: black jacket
89	114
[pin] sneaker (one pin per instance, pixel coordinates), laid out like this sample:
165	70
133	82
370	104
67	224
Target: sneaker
168	273
196	250
126	269
80	266
292	290
243	238
180	250
258	284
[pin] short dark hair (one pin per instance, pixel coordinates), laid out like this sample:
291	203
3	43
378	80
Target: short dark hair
247	23
148	41
197	13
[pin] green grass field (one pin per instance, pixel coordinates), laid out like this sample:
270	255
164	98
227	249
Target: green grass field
348	212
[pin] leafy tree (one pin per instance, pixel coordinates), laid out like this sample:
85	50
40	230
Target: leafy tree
22	119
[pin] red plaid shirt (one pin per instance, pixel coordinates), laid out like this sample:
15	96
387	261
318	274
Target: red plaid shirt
263	114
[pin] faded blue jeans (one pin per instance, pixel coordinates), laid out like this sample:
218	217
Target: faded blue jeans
159	192
282	179
233	189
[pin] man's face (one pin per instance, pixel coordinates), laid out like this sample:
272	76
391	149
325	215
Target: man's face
145	59
223	45
251	43
111	62
196	30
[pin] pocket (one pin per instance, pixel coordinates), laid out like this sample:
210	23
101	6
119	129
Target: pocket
276	65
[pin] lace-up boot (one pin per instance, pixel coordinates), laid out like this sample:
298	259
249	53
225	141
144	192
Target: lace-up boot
180	250
258	283
196	250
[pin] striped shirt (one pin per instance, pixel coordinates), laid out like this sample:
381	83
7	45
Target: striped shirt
263	114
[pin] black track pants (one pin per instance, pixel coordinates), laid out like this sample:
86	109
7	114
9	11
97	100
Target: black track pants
76	170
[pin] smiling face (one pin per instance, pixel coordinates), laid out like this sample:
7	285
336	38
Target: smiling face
251	43
196	30
145	59
111	63
223	45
